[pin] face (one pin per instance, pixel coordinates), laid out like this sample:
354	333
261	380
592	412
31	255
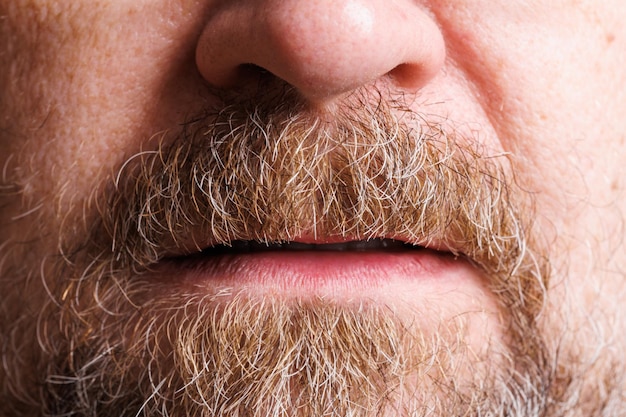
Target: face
312	208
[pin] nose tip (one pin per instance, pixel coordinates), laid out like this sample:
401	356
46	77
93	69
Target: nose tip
323	48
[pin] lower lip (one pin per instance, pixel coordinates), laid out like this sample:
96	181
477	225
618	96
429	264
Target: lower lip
340	274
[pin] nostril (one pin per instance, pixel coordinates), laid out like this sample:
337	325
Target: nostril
413	75
249	75
238	76
250	70
407	76
247	82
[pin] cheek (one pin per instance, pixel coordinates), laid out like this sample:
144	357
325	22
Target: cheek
562	126
79	86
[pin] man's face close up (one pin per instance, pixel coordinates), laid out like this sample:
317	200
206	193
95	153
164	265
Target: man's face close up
312	208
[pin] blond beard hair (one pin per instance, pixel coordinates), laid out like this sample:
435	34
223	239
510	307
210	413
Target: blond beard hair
263	170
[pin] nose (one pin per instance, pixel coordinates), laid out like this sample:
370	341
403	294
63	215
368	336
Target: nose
323	48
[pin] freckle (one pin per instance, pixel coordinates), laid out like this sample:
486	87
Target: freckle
610	38
615	185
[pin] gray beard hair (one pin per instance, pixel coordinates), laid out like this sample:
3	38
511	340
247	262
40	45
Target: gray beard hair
232	354
112	342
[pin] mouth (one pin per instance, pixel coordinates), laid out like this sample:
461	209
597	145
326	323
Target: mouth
251	246
339	268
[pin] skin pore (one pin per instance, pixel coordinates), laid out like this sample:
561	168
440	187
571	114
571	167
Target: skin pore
132	133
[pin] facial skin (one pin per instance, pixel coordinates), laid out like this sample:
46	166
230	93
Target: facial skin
135	134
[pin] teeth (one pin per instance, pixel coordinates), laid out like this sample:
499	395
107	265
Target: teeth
244	246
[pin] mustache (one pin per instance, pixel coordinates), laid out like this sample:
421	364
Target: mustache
268	169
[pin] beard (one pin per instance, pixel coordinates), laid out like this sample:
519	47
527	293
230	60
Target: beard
111	339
